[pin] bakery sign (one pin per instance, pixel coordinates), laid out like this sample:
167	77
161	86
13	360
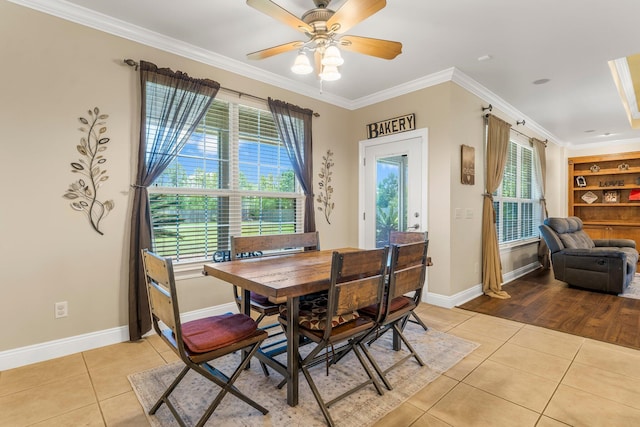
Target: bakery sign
391	126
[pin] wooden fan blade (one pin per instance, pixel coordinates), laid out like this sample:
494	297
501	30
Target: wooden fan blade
385	49
353	12
276	50
273	10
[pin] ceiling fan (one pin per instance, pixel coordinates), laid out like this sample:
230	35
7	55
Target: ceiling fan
324	28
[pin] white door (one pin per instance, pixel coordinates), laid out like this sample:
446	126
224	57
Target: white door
393	184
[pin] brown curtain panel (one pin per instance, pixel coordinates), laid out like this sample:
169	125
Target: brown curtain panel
540	149
294	127
172	105
496	156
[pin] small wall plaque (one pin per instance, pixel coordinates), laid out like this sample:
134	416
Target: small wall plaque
468	168
391	126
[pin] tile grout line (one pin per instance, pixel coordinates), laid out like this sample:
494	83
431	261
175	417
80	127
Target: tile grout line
93	387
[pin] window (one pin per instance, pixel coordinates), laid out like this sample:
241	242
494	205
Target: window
233	177
517	200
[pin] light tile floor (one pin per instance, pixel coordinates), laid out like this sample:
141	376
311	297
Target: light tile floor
520	375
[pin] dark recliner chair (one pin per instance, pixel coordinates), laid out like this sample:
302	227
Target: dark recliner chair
602	264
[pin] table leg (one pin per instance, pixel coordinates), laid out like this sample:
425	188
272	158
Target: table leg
246	309
246	302
292	350
397	344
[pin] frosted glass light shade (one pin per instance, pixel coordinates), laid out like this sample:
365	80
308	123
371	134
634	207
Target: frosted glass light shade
301	64
330	73
332	57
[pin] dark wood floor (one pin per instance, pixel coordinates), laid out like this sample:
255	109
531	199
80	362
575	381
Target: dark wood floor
538	299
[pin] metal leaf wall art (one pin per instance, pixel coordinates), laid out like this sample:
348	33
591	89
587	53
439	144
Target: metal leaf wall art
83	193
326	190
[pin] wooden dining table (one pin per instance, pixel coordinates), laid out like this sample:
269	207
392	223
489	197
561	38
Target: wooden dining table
292	276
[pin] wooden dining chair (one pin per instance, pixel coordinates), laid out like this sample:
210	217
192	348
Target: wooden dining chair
406	275
404	237
199	342
269	245
357	281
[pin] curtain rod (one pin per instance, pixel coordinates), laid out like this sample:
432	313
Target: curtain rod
132	63
486	116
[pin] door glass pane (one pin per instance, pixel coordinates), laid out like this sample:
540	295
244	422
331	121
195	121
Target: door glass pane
391	197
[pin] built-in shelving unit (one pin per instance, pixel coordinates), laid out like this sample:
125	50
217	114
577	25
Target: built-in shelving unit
601	193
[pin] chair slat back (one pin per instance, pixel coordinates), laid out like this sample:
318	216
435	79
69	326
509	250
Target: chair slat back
274	242
404	237
408	268
161	288
357	280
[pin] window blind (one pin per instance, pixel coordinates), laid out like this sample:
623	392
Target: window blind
517	200
233	177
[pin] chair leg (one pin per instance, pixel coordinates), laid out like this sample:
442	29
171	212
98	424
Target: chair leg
310	361
226	383
416	319
377	335
165	396
370	374
409	346
397	328
316	394
265	371
376	367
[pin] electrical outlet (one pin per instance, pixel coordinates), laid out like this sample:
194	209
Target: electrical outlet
61	309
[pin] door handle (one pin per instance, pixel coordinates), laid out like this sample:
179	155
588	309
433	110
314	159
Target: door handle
415	226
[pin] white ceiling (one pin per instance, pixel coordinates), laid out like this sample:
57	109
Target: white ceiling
567	41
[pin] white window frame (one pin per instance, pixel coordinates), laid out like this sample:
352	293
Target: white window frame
522	143
193	267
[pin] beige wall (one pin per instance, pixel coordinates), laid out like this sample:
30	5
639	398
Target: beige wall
453	116
54	70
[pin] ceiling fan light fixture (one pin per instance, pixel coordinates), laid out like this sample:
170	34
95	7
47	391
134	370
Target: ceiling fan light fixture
332	57
330	73
302	64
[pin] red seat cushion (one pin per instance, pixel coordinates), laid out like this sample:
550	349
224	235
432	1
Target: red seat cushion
212	333
259	298
396	304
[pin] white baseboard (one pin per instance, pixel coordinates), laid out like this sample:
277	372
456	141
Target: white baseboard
475	291
63	347
513	275
451	301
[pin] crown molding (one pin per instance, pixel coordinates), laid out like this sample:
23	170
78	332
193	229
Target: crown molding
487	96
611	145
105	23
403	89
99	21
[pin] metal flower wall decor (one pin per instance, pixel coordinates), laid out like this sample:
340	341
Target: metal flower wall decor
324	198
83	193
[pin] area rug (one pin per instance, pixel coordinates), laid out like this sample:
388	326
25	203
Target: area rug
440	351
633	290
